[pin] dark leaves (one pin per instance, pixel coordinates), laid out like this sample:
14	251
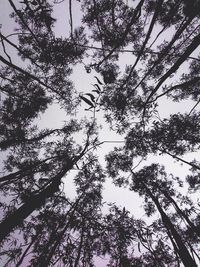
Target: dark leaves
99	82
87	101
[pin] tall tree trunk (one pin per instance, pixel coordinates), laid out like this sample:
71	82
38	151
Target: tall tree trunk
194	44
24	171
34	202
153	21
135	16
181	213
44	259
80	246
182	249
166	50
152	24
27	249
55	239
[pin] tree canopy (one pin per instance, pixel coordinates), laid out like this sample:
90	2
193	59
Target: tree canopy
142	58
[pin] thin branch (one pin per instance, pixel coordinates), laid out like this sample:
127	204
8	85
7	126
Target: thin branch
112	142
18	49
12	142
194	107
179	159
160	32
175	9
165	51
25	171
22	20
6	92
189	36
26	251
124	35
195	43
194	58
29	75
126	50
137	164
71	18
58	2
17	33
4	49
188	83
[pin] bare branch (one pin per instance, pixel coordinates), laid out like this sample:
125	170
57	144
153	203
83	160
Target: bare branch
71	19
4	49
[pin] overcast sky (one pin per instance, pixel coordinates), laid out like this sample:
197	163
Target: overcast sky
54	116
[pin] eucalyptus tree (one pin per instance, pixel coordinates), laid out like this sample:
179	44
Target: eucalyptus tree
127	241
148	188
131	99
72	233
159	194
37	160
154	61
73	242
174	136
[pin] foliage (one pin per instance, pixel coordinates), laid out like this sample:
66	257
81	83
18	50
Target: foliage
41	224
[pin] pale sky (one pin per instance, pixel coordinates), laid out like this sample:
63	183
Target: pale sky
83	83
54	116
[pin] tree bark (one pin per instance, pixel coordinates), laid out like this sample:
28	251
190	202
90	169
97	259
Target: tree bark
25	171
195	43
180	212
33	203
182	249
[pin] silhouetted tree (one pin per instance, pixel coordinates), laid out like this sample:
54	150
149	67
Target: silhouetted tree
40	225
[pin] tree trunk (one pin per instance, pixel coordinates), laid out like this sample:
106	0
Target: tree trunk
24	171
80	246
182	249
180	212
34	202
26	250
55	239
195	43
51	245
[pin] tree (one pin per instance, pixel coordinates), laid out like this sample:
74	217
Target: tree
178	244
41	225
19	110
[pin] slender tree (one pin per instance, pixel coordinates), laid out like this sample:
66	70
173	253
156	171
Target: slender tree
157	40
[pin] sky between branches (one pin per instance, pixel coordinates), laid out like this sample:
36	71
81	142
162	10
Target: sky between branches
54	116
